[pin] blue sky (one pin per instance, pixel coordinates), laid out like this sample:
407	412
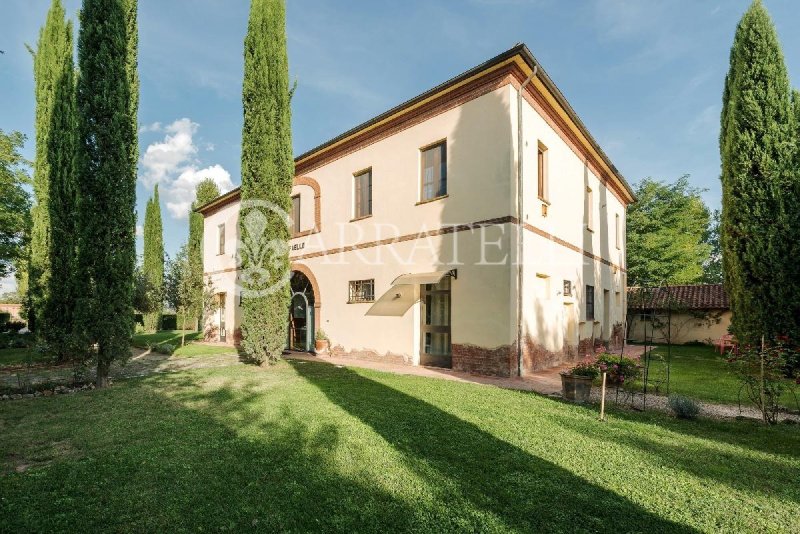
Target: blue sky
644	75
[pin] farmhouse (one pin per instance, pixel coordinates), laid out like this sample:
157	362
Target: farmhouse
697	313
477	226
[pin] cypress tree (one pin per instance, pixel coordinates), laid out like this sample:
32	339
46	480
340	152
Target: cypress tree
106	253
756	151
267	171
52	246
153	261
206	191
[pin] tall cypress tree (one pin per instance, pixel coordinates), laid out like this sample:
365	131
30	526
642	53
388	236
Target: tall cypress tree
206	191
153	261
106	253
267	171
756	151
52	245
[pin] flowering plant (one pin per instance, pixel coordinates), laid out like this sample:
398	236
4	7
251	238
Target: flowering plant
587	368
620	369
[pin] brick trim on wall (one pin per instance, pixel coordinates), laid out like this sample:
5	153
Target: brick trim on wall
444	230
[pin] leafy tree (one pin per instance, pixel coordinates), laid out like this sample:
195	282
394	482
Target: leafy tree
667	228
712	267
206	191
15	203
184	290
759	233
144	300
267	171
52	255
153	262
106	181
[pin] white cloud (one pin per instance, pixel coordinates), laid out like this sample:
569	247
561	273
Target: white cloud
170	155
181	192
172	163
139	230
155	127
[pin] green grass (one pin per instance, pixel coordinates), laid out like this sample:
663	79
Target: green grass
700	372
173	337
15	357
314	447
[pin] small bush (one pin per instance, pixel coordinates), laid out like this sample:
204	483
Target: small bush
683	407
14	326
4	317
585	368
169	321
164	348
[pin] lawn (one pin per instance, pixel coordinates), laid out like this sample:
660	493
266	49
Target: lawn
19	356
305	446
173	337
700	372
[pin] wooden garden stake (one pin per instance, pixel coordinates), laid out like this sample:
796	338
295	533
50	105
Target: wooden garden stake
603	399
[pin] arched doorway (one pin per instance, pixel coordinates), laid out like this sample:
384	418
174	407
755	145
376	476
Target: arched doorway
301	313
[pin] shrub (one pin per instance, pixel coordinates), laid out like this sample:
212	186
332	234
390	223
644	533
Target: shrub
620	369
169	321
4	317
164	348
14	326
763	374
683	407
586	368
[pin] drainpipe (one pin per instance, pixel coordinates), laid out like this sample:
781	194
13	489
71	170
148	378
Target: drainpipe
520	213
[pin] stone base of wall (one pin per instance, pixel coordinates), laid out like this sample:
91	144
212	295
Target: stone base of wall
339	351
499	361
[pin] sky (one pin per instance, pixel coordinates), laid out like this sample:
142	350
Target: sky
645	76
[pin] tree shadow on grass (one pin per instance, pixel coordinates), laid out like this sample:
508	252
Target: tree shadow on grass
693	455
750	434
146	462
523	491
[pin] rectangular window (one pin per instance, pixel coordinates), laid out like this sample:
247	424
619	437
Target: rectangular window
221	239
434	171
362	194
590	303
617	230
589	208
541	161
362	291
567	288
296	214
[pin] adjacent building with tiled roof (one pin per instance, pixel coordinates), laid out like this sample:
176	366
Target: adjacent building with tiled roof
692	297
679	314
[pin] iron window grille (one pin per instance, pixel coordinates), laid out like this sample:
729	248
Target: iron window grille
362	291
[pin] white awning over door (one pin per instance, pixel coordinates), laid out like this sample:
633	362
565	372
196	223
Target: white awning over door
403	293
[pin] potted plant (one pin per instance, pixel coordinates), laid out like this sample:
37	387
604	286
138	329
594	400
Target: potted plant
321	341
619	369
576	383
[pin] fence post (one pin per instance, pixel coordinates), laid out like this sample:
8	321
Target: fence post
603	399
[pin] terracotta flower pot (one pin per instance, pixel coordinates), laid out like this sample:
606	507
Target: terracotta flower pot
321	345
576	388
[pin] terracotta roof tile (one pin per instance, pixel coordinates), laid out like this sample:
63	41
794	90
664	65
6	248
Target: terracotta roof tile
693	297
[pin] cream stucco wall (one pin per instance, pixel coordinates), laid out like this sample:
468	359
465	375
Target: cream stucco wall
557	322
702	326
